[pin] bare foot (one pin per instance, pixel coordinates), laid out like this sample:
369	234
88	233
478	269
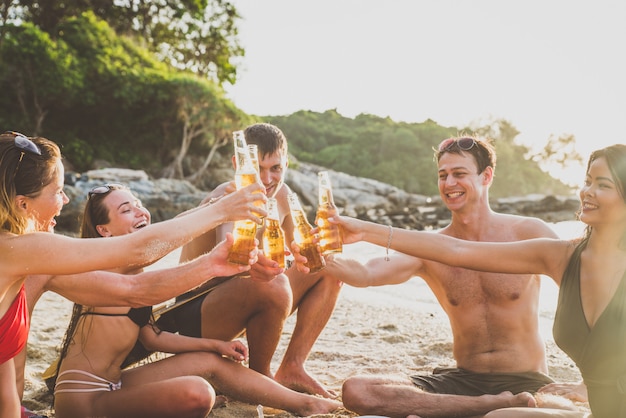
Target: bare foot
315	405
300	381
220	401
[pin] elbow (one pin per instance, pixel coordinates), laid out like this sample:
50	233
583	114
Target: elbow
135	293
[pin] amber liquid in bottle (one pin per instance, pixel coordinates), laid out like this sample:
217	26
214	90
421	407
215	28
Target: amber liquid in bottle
331	240
244	231
303	237
273	237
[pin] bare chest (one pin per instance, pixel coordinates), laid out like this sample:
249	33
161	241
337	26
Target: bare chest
457	287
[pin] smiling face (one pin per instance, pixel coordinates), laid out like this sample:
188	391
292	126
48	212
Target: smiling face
125	212
272	171
45	206
601	200
459	182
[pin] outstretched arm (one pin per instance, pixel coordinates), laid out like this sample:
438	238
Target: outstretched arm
102	288
45	253
534	256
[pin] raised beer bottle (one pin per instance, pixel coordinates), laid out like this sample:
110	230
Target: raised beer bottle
303	236
244	231
329	233
273	237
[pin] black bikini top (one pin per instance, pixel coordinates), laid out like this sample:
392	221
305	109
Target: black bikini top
140	316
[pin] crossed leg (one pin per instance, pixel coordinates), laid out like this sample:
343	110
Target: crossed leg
394	396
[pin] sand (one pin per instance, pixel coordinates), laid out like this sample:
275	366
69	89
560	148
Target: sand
389	329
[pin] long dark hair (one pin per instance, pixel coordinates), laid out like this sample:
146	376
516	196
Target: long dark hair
95	213
615	156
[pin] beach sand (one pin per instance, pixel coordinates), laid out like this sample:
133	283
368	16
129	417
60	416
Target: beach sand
385	330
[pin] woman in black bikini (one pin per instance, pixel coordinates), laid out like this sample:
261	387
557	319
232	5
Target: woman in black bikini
91	381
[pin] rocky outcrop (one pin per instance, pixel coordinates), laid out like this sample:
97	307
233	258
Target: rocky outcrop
358	197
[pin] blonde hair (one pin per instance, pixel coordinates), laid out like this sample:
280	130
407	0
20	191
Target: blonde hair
23	173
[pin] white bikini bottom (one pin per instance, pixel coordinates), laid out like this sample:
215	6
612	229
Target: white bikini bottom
101	385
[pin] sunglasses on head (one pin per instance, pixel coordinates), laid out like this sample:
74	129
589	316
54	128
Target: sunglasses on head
105	188
23	144
464	144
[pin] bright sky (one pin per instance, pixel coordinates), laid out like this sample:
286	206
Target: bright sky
547	66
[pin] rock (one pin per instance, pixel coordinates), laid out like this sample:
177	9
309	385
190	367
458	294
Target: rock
357	197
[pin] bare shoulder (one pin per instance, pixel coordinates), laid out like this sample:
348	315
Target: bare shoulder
281	199
524	227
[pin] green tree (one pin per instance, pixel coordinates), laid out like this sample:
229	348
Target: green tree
38	76
195	35
102	97
205	116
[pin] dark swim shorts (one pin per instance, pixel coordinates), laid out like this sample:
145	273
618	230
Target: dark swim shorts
185	320
186	317
463	382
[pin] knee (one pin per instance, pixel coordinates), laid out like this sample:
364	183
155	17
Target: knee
278	292
353	394
331	283
199	397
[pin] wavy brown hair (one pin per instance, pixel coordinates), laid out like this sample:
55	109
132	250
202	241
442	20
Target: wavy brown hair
23	173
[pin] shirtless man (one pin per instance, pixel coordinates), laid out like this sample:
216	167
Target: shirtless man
499	352
260	304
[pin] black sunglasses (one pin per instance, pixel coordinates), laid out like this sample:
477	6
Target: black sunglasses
105	188
24	145
464	144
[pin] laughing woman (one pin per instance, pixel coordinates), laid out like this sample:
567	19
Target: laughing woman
590	319
31	195
90	380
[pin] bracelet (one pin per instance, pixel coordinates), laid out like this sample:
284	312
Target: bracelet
389	243
214	199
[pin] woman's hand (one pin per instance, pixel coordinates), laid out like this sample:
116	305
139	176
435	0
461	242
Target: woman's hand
235	350
218	262
351	228
247	203
573	391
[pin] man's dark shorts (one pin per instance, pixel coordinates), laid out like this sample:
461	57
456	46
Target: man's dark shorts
186	317
463	382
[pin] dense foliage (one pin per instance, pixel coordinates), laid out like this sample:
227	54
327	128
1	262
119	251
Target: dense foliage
402	154
195	35
102	97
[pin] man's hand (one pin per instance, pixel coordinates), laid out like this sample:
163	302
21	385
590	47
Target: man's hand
299	259
265	269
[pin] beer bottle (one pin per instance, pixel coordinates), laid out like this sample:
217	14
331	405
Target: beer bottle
329	233
244	231
303	236
253	150
273	237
